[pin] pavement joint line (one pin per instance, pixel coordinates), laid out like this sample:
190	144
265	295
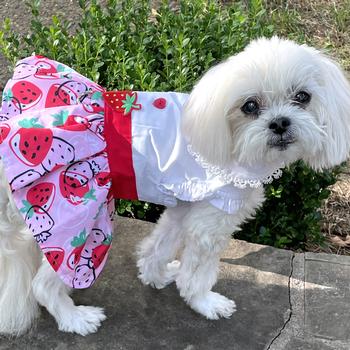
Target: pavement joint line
290	305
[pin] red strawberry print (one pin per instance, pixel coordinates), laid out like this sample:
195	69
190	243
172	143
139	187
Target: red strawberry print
122	101
42	195
61	95
31	143
70	122
99	253
55	256
75	188
4	131
159	103
45	68
93	108
27	94
39	221
103	179
78	243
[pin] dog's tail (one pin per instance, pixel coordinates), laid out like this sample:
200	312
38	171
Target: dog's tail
19	261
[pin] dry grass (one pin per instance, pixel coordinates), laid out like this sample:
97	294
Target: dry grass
323	23
336	218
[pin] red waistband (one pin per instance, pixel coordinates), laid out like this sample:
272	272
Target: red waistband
118	133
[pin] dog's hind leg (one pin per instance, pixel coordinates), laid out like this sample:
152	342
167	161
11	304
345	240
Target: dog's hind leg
19	260
53	294
157	252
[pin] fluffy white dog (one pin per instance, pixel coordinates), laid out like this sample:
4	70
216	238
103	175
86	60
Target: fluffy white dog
274	102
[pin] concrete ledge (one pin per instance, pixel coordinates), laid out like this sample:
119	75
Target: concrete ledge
284	302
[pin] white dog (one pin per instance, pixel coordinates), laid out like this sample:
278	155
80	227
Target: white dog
274	102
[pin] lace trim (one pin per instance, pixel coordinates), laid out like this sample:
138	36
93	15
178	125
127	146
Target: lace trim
229	177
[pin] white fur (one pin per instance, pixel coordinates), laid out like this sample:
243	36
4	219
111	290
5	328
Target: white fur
185	245
273	71
52	293
19	261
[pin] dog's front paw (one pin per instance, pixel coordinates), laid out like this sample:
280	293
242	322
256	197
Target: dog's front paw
213	305
159	280
82	320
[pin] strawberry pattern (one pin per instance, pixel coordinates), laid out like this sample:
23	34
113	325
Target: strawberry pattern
57	129
61	188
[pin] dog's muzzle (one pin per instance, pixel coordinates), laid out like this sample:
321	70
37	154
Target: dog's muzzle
281	144
282	135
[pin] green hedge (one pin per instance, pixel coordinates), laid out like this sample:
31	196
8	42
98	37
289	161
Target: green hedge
128	45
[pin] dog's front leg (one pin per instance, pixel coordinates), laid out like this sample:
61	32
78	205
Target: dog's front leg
53	294
158	251
207	232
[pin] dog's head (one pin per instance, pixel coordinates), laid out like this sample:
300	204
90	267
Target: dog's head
274	101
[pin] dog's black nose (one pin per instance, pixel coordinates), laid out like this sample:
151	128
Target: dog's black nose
279	125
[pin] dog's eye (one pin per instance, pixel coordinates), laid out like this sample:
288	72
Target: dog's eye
302	97
250	107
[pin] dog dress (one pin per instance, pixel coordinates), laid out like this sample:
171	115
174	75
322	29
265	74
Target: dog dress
69	147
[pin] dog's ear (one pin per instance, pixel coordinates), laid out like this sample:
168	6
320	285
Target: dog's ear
333	112
205	123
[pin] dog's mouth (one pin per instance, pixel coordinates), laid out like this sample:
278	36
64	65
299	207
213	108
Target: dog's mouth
281	143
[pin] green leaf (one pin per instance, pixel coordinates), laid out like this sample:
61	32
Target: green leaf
60	118
61	68
108	240
29	123
79	240
128	103
97	95
26	206
89	196
7	95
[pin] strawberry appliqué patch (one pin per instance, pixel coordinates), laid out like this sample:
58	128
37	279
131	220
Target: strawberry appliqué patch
122	101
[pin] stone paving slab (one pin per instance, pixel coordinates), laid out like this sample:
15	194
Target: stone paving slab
329	306
285	301
320	307
256	277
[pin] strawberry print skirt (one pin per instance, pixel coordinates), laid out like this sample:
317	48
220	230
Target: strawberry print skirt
54	155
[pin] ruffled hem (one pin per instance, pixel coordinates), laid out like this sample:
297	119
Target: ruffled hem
189	191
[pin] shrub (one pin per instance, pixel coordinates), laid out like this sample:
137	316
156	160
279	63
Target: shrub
128	45
290	216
